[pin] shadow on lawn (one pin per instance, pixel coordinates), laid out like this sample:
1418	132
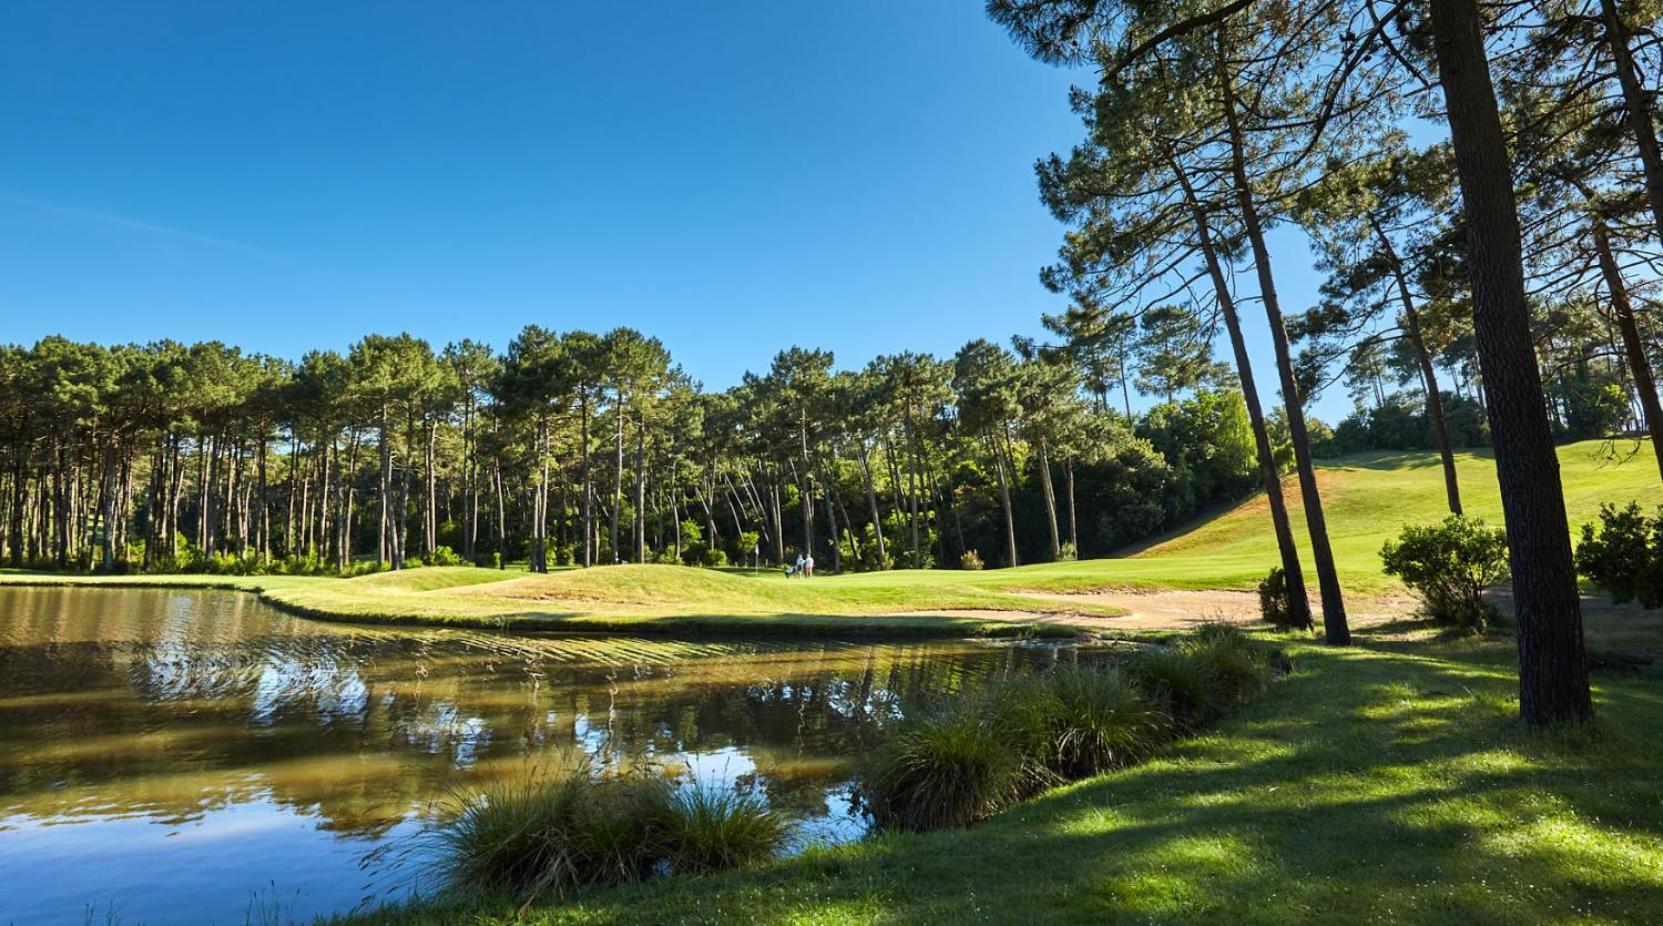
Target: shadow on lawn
1402	791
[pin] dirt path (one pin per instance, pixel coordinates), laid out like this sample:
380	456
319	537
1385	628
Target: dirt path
1175	609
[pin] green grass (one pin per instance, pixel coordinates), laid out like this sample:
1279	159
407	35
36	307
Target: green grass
1367	498
1387	783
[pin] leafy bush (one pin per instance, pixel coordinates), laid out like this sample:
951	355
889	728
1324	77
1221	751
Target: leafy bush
1275	600
1624	555
443	556
970	559
1450	565
715	558
1068	552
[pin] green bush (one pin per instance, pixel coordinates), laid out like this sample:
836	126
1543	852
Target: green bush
1450	565
970	559
1275	599
444	556
1624	555
1197	679
1068	553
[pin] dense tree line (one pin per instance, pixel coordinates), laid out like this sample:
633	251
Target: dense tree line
582	448
1516	250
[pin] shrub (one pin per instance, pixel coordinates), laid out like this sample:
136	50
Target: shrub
715	558
700	829
970	559
1450	565
946	768
1275	600
1624	555
443	556
1068	552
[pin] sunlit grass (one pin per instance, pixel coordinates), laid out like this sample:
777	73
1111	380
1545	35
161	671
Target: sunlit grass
1388	783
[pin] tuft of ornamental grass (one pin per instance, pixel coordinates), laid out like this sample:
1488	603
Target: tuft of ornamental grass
553	832
1200	677
945	768
701	829
514	836
1092	720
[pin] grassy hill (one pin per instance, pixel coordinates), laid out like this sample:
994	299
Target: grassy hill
1367	498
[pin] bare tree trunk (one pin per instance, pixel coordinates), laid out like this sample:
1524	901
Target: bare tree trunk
1050	494
1634	348
1429	376
1553	671
1336	631
1635	107
1299	604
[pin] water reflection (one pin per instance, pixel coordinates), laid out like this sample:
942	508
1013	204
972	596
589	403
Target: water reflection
238	750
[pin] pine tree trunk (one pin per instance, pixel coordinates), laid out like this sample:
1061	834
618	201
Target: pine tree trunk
1336	631
1639	366
872	501
1635	107
1553	673
1050	500
1000	471
1429	376
1299	605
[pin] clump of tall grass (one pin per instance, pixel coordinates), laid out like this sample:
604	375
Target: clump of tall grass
550	832
1199	678
970	759
945	768
701	829
1090	720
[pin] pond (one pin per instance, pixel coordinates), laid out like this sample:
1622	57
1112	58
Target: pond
197	757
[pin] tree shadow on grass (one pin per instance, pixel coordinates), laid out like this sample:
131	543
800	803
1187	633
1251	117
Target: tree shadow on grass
1387	783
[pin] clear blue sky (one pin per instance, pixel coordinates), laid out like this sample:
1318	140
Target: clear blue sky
730	177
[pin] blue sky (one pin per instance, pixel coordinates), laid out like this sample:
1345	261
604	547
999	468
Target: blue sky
732	178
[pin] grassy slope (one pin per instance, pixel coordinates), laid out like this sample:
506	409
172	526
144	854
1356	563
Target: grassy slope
1388	783
1367	499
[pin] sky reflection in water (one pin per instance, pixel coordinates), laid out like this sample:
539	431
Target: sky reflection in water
195	757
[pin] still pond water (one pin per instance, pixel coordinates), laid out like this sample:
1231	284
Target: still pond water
184	757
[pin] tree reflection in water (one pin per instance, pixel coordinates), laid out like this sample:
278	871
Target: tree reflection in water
188	711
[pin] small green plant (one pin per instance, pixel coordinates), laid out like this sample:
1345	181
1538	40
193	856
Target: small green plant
1450	565
1068	553
970	559
1275	600
715	558
1624	555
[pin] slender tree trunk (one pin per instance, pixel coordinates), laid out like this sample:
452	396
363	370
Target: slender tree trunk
1050	494
1635	107
1299	605
1336	631
872	501
1634	348
618	480
1073	523
1553	672
1000	473
1429	376
588	483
